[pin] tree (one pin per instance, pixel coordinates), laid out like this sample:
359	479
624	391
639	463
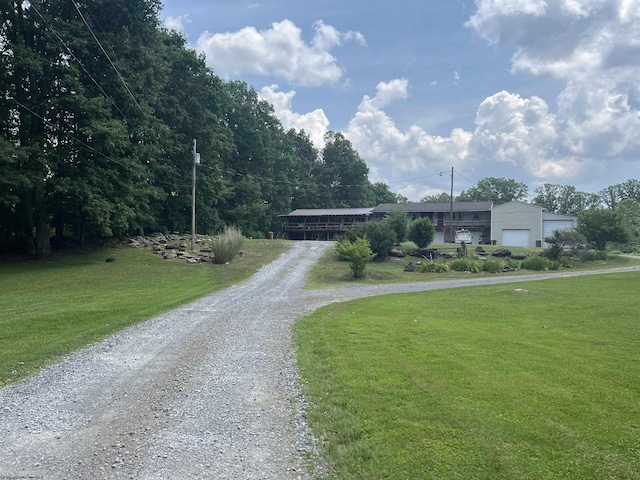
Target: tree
357	252
601	227
561	239
380	236
421	232
613	195
629	212
342	174
398	221
436	198
380	193
565	199
496	190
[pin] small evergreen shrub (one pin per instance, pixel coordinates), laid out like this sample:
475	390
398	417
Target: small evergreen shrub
465	265
434	267
535	263
227	246
492	265
421	232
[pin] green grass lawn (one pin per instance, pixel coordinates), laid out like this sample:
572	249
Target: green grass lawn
479	383
53	307
331	271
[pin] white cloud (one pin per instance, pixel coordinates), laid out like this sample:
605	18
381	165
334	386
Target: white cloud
279	51
176	23
314	123
394	152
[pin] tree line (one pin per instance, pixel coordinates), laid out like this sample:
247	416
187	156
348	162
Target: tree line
100	106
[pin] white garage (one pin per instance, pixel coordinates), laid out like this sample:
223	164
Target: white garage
516	238
552	225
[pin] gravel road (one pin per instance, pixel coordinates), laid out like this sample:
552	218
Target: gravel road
208	390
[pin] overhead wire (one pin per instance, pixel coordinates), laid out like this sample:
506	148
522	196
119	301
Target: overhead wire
126	86
130	93
64	44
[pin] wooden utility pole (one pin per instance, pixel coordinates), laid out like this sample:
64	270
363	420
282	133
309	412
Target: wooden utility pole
452	239
196	161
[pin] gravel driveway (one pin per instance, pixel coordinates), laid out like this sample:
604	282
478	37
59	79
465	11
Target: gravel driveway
208	390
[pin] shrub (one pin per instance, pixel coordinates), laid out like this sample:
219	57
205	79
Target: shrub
592	256
561	239
434	267
492	265
465	265
357	253
535	263
379	234
515	264
421	232
398	221
227	246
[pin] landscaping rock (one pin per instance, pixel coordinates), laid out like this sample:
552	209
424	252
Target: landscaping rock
394	252
410	267
502	252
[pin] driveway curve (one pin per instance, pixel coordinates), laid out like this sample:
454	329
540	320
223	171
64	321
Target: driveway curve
208	390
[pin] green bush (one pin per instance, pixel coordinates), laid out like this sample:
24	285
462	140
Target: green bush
227	246
515	264
535	263
492	265
379	234
465	265
398	221
421	232
357	253
434	267
593	255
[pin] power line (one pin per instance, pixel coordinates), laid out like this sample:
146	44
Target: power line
64	44
108	58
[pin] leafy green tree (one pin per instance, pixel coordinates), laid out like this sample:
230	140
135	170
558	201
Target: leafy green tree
601	227
436	198
613	195
357	252
421	232
496	190
398	221
565	199
561	239
629	212
380	193
342	174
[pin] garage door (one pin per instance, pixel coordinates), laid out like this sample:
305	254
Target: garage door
516	238
551	225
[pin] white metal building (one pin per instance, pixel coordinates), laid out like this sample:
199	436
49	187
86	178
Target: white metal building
520	224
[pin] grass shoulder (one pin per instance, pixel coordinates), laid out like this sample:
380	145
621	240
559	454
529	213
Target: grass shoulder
55	306
330	270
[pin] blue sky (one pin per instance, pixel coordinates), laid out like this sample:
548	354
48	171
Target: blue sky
534	90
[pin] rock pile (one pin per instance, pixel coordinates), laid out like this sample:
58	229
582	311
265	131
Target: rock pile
173	246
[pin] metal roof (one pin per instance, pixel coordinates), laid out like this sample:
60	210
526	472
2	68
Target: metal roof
335	212
434	207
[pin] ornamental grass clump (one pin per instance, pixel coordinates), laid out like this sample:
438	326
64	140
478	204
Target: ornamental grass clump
465	265
492	265
536	263
228	245
434	267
